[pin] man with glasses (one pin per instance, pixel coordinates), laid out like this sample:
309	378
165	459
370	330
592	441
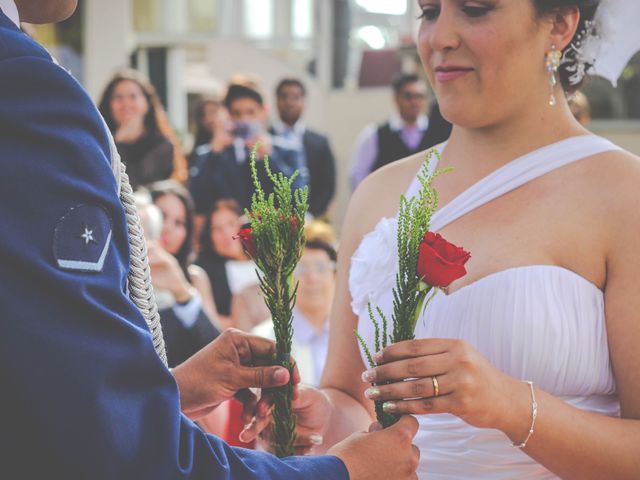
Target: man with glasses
407	132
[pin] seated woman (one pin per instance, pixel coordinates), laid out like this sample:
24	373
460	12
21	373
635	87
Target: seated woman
145	140
187	312
232	274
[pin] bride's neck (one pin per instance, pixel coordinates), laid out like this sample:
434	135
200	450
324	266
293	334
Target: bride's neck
490	147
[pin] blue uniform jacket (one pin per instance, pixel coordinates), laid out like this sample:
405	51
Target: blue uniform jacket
83	394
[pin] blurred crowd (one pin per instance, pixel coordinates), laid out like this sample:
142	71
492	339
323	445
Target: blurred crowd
193	203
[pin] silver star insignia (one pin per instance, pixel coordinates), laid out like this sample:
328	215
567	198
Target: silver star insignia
87	236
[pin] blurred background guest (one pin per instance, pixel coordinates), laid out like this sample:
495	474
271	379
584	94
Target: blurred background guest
312	147
207	113
408	131
223	170
231	273
182	290
145	140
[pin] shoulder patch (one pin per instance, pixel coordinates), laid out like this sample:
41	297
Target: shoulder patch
81	239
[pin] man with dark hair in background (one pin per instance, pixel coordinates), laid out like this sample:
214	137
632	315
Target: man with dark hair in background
313	148
222	168
407	132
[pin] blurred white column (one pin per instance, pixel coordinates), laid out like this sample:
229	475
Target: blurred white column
324	42
108	33
175	22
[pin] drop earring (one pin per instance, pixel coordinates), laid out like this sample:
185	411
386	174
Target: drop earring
553	63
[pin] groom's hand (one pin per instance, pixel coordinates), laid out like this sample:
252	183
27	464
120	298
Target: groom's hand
232	363
381	454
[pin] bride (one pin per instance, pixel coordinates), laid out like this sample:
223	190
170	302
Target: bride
551	216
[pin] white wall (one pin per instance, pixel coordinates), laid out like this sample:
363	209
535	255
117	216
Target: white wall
108	38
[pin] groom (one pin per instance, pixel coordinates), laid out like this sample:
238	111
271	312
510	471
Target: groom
84	394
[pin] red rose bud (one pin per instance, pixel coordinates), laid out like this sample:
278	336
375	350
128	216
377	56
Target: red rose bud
246	238
440	262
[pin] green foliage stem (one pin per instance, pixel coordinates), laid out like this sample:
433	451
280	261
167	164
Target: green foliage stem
277	227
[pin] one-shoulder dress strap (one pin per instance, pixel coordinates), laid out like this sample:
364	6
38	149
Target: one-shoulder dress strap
516	173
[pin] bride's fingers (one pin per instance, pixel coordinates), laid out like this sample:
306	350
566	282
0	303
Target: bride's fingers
435	364
413	348
257	425
441	404
416	389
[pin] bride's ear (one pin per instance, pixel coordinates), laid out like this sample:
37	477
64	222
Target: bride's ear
565	22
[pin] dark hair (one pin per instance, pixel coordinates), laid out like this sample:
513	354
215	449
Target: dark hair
235	92
403	80
151	119
324	246
206	246
171	187
587	12
203	134
290	82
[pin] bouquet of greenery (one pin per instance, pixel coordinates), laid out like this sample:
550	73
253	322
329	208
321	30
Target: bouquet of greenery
427	263
275	240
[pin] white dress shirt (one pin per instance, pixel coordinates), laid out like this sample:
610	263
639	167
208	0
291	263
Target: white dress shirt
9	8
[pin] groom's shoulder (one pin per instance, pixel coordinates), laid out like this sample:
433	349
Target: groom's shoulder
15	44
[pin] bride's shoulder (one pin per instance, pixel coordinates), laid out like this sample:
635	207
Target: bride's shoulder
378	196
614	183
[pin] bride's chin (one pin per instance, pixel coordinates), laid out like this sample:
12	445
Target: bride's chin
459	114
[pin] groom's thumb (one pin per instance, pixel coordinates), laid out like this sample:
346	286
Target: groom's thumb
261	377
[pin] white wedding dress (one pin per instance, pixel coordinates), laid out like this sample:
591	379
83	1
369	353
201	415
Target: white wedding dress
542	323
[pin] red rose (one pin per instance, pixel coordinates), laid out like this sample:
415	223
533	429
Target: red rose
440	262
245	236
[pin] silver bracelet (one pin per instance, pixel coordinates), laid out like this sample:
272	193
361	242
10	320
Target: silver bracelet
534	415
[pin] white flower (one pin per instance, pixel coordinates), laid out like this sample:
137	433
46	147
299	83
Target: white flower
374	265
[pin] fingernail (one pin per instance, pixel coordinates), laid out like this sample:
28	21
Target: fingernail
372	393
369	376
377	357
242	436
316	439
280	375
389	407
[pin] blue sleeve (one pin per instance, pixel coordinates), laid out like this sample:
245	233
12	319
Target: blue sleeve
83	393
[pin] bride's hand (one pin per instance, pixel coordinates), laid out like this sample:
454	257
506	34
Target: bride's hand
311	408
468	386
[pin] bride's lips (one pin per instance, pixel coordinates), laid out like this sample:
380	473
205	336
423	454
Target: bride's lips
448	73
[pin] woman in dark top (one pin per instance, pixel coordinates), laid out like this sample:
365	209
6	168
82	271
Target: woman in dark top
141	130
187	311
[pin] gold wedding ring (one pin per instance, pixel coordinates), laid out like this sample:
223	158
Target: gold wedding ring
436	387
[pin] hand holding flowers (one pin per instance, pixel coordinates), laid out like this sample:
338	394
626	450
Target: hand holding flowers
427	262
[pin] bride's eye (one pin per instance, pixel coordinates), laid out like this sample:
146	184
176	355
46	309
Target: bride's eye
475	11
429	13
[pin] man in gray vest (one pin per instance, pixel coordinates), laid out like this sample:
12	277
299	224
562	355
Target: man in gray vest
406	132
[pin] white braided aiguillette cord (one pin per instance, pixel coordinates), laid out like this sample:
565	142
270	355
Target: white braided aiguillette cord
140	288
